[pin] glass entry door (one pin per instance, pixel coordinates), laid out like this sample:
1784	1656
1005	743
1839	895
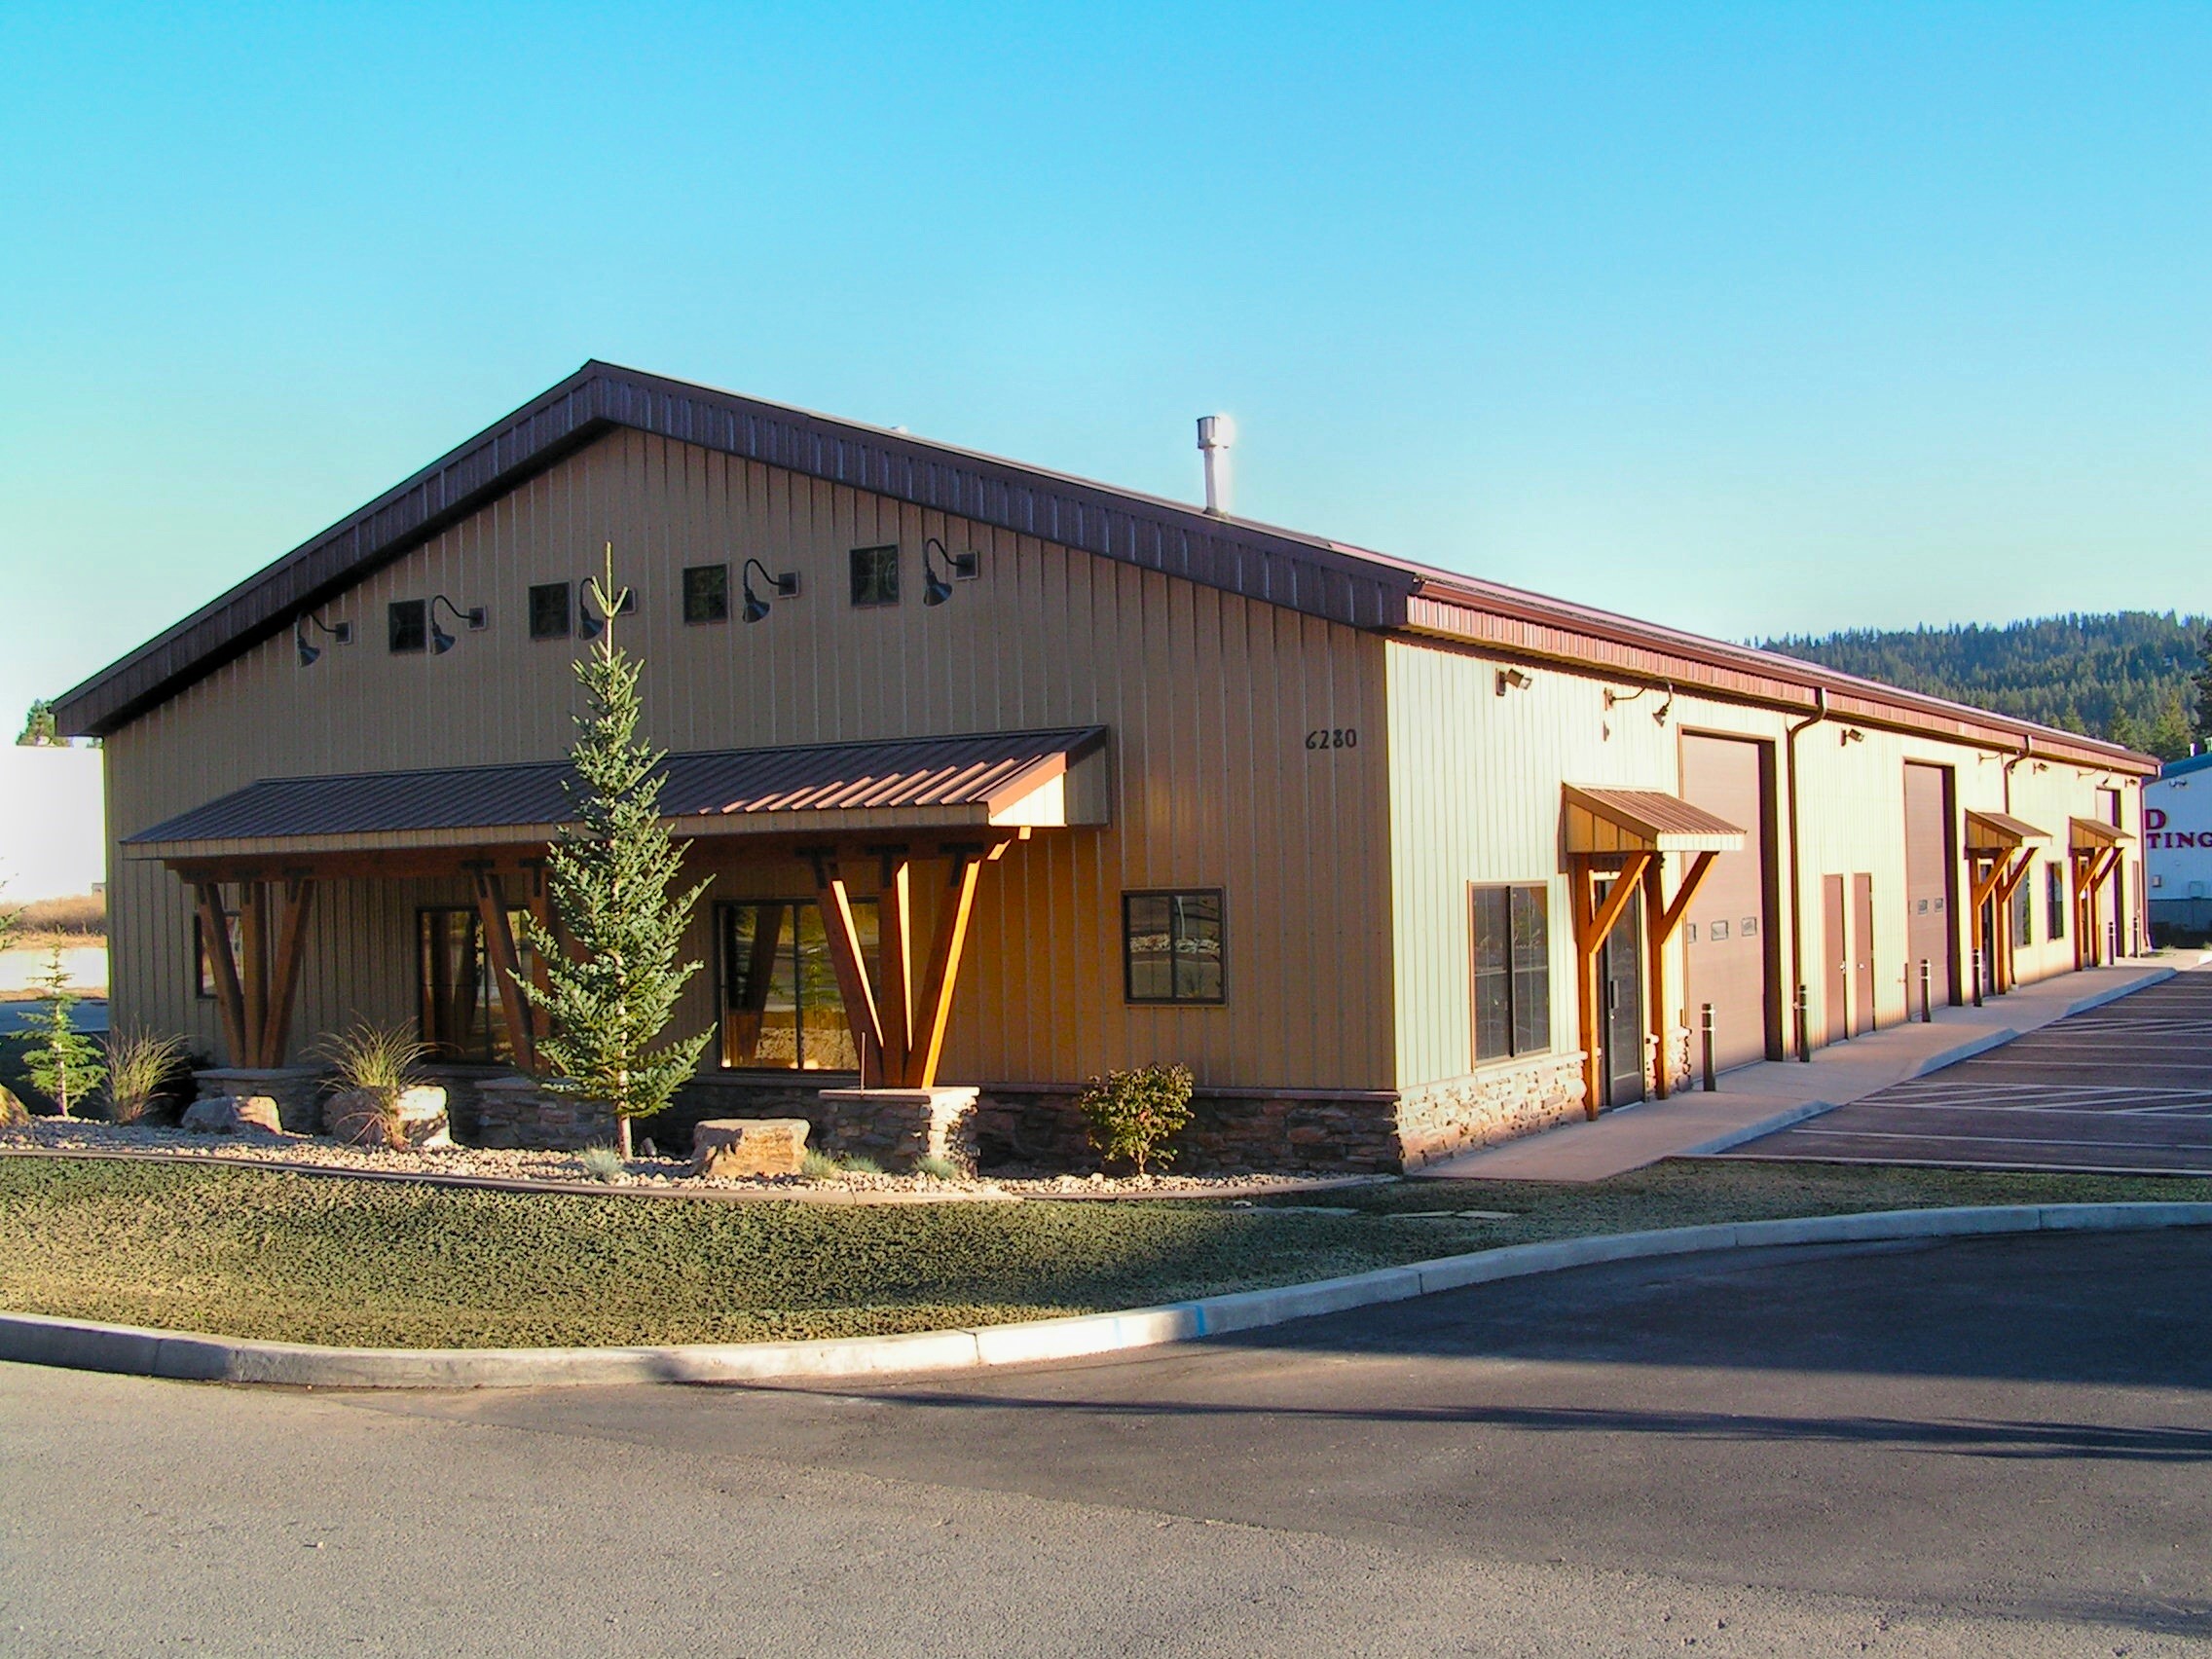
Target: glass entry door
1620	984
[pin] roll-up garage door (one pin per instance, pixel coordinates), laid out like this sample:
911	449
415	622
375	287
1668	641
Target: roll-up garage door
1930	886
1726	934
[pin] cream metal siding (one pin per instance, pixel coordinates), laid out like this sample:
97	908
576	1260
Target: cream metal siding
1475	782
1209	696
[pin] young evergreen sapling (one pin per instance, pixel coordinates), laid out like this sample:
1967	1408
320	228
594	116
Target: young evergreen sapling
609	874
64	1064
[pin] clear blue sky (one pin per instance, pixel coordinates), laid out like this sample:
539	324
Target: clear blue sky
1745	319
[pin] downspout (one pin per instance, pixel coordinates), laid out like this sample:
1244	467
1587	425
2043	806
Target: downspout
2027	749
1797	1035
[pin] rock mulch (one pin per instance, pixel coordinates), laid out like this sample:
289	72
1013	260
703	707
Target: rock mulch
565	1172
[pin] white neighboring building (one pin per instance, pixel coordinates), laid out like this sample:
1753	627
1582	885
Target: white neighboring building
53	823
2177	844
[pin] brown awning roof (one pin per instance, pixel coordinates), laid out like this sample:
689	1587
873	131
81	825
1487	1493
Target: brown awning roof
1650	820
2093	833
1998	831
1036	779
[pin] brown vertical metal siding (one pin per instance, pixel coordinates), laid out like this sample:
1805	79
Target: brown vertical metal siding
1209	695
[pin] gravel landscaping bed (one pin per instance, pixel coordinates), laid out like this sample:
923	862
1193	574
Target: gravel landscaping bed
563	1171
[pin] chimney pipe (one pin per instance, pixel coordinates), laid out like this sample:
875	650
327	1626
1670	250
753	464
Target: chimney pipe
1216	432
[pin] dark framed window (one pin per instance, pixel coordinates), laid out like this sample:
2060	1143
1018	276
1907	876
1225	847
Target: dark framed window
780	1005
204	971
408	625
1175	946
876	575
706	593
549	611
1512	971
2054	902
461	1015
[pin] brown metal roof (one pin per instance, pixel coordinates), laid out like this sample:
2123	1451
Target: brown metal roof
974	776
1611	821
2000	829
2094	832
1311	575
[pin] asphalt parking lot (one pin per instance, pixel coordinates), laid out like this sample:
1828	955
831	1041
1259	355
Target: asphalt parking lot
1982	1447
2124	1089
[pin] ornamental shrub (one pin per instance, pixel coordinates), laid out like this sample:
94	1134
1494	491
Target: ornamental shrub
1134	1114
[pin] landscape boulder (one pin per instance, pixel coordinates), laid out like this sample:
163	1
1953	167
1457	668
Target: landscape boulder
233	1113
749	1146
356	1117
14	1114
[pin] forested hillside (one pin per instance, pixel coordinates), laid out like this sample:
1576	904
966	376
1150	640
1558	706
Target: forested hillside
2136	676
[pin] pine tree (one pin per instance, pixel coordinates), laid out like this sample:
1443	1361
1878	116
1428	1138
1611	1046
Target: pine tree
39	730
64	1064
609	874
2200	682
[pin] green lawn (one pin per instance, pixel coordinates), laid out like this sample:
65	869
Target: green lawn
249	1253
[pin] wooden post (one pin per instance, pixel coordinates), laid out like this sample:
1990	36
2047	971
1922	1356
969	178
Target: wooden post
1594	924
1661	920
506	968
844	942
2015	872
956	905
223	966
893	937
253	964
284	979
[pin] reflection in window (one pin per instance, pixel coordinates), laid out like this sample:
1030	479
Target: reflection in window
781	1008
203	972
1512	971
461	1015
1173	946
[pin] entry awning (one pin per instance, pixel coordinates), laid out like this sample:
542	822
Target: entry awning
981	781
2094	834
1998	833
1643	820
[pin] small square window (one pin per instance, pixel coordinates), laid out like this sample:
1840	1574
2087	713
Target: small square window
1173	947
549	611
409	625
876	575
706	593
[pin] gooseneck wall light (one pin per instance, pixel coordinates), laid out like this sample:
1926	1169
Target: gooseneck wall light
786	586
959	567
340	634
475	618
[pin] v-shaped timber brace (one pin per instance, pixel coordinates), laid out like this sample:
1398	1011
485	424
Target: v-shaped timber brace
254	993
1593	921
2091	867
1994	887
898	1021
506	964
1637	872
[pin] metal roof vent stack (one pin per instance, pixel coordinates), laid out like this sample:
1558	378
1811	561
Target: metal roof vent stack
1216	432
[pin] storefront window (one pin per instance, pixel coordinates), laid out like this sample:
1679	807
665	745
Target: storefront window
461	1015
1512	971
781	1008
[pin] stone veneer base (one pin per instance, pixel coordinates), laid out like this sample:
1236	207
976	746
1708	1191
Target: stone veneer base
519	1113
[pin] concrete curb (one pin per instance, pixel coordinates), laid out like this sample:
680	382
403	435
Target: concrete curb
33	1340
1979	1044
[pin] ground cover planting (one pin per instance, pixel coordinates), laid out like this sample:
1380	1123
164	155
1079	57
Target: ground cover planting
252	1253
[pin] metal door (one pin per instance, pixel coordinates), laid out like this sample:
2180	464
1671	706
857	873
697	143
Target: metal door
1621	983
1862	1016
1930	884
1725	937
1836	960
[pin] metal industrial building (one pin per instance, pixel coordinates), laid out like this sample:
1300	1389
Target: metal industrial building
1004	778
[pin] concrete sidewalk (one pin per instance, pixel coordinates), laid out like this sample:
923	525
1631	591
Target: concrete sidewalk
1758	1099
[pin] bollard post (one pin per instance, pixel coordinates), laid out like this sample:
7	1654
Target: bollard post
1977	979
1705	1022
2112	941
1926	1010
1804	1026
